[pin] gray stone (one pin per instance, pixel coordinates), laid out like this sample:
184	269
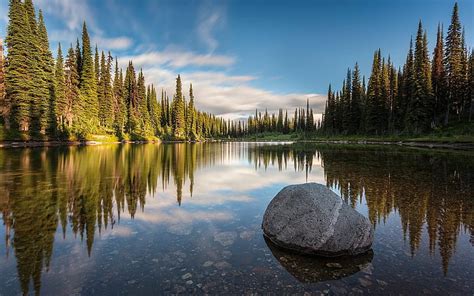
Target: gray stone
187	276
311	219
226	238
208	263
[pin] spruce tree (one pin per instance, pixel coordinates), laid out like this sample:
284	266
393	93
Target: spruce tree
355	101
60	106
191	116
4	102
453	65
120	109
46	68
438	78
143	113
73	105
178	119
89	115
20	66
155	110
471	86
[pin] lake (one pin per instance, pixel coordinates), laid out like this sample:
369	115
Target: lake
186	218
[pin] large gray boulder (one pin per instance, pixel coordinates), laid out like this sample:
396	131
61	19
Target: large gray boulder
311	219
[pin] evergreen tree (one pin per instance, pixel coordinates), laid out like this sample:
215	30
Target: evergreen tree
418	119
374	103
73	106
4	102
178	118
19	71
155	110
46	68
131	98
191	116
453	66
143	113
60	106
105	93
471	85
356	99
88	118
438	78
120	109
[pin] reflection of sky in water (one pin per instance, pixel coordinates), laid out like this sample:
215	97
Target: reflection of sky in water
215	236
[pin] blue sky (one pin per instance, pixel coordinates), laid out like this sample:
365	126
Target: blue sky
241	55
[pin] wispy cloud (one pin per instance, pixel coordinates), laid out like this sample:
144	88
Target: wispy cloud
211	18
71	12
118	43
178	58
224	94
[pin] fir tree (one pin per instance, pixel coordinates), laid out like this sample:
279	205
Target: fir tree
120	109
191	116
73	106
18	73
46	68
178	118
4	102
355	101
88	87
453	65
60	106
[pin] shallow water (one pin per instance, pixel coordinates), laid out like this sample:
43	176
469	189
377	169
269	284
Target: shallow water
185	218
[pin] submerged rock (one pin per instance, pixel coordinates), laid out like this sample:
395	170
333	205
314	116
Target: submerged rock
311	219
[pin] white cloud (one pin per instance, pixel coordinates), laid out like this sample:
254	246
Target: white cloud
229	96
72	12
211	17
178	58
118	43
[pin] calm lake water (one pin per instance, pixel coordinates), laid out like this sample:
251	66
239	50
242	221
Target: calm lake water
185	218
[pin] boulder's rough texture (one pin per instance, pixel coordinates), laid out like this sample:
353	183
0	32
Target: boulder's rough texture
311	219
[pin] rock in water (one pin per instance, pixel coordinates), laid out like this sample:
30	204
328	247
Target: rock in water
311	219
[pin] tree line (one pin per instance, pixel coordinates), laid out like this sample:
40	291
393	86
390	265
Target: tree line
82	93
422	95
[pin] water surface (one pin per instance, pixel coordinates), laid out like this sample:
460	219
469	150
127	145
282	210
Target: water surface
185	218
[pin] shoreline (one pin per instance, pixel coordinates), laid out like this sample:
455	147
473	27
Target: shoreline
460	145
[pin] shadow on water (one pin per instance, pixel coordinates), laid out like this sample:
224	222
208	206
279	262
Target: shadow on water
312	269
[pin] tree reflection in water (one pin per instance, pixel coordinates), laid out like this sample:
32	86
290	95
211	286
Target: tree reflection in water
89	188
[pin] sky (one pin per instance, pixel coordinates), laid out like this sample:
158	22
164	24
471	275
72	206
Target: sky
242	55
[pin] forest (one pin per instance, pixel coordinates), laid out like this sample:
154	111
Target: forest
82	94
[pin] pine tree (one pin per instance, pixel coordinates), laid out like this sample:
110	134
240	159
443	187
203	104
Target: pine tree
438	78
178	118
356	99
143	113
60	106
309	117
120	109
453	65
20	66
131	98
46	68
191	116
155	110
89	115
4	102
105	93
374	103
418	119
471	85
73	106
